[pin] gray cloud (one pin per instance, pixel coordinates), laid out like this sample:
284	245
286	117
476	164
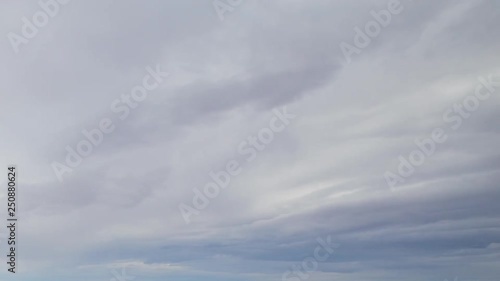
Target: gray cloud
323	175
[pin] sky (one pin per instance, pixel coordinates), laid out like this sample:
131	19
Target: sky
238	140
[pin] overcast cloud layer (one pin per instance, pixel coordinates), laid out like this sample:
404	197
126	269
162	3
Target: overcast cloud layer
322	175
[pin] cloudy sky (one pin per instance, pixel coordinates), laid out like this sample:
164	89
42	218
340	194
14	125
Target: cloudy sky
359	95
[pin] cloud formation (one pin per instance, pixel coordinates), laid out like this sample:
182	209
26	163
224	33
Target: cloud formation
323	175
